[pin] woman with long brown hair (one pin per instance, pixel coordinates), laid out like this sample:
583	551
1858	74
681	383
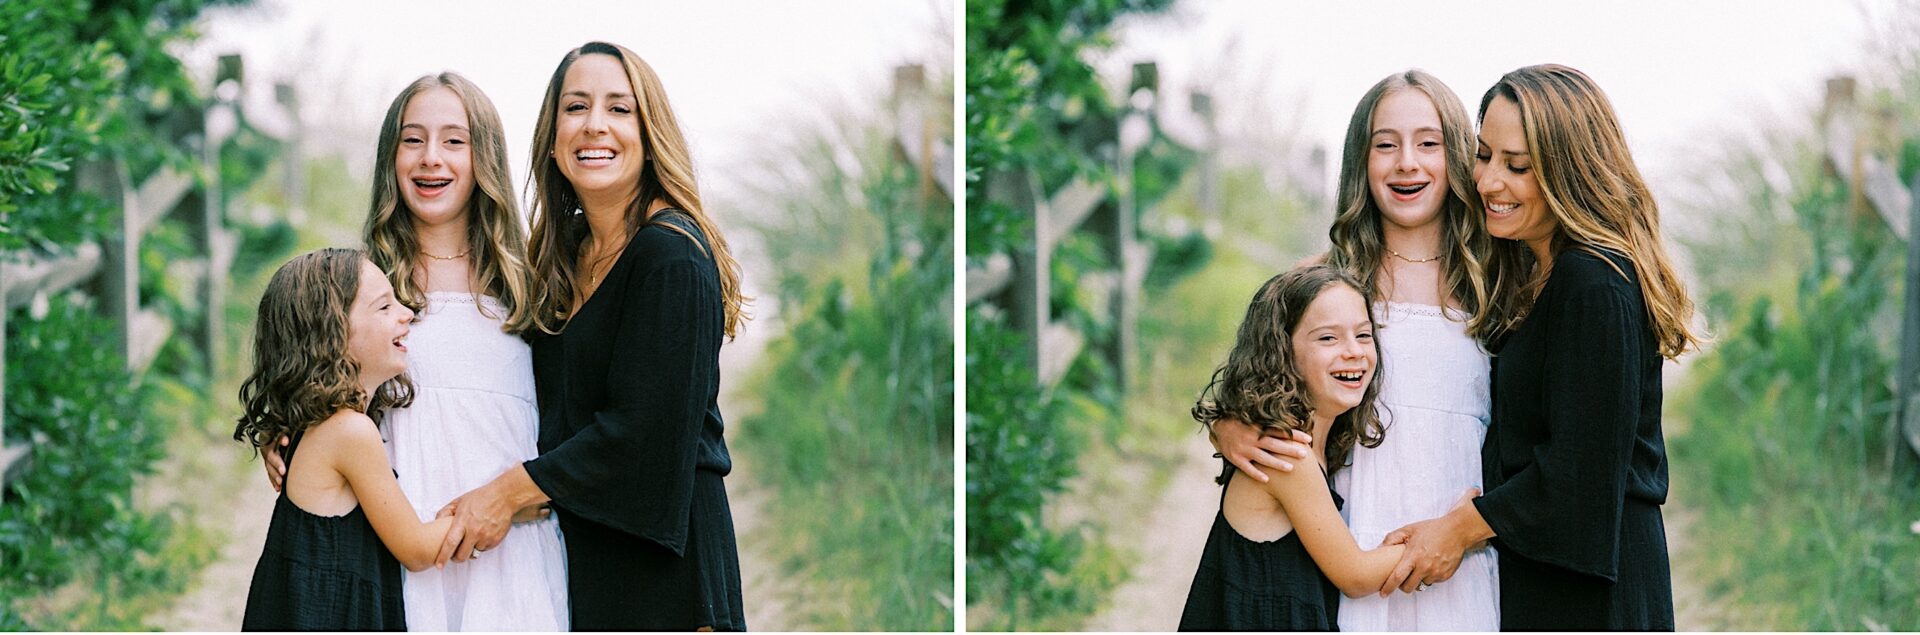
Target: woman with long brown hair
1589	305
634	290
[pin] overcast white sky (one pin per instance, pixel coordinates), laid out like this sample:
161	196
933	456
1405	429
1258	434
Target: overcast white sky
1679	73
739	72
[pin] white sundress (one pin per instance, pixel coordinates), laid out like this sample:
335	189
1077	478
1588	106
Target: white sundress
473	417
1436	404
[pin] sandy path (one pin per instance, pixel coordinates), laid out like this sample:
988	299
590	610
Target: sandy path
1169	548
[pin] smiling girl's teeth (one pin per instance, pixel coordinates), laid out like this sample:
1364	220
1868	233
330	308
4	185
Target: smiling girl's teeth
1502	209
594	154
1348	376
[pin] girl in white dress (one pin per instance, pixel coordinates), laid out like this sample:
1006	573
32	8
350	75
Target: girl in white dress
1409	224
444	226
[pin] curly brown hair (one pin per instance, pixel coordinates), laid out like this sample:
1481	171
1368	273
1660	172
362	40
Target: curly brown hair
301	371
1260	384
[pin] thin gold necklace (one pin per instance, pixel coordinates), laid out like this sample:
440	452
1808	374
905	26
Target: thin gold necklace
457	256
1397	255
593	265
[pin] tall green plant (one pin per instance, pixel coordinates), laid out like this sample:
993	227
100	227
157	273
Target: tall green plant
1787	442
855	429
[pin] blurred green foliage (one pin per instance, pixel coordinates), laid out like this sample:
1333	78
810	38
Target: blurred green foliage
80	81
854	434
1784	432
1030	93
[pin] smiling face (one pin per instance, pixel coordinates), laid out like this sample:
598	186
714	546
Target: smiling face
597	132
1334	351
433	161
1407	162
377	326
1503	170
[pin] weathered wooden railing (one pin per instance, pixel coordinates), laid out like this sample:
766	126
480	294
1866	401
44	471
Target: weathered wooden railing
917	136
112	264
1020	283
1857	157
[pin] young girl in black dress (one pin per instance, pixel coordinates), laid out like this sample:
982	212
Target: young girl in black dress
1279	554
329	350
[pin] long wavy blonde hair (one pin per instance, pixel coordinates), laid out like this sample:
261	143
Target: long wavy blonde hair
1261	383
302	373
496	242
1359	241
1594	191
559	230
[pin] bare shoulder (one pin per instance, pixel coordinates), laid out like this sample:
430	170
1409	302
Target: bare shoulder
1316	259
1305	476
346	426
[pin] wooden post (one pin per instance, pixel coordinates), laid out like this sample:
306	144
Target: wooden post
1209	180
1908	385
213	218
6	452
295	185
1032	261
120	266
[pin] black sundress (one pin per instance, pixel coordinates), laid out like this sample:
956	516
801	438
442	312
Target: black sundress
323	573
1244	585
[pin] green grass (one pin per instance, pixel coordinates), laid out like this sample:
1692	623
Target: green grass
1783	435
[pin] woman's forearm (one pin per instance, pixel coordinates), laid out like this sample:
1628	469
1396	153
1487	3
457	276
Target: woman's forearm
517	488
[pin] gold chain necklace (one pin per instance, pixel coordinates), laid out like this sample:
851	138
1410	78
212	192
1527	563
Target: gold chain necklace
1422	260
457	256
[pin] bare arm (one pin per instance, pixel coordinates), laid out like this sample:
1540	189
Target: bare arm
1436	546
363	461
1309	506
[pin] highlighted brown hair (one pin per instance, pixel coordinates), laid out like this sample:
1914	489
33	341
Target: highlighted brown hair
560	232
1359	241
494	235
1594	191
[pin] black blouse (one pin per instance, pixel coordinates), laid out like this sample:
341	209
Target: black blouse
1574	463
630	441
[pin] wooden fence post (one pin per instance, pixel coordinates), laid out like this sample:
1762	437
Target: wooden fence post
1032	262
8	454
120	266
1909	380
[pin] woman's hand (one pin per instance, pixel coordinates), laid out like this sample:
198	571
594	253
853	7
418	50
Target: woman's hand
276	466
481	519
1435	546
1244	444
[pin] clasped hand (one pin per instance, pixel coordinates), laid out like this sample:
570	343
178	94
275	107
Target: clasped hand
1434	549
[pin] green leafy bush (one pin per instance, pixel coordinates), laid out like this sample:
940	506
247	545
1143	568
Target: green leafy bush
855	428
1784	432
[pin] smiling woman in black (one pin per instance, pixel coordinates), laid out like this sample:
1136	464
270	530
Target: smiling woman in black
1575	465
1586	305
630	440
